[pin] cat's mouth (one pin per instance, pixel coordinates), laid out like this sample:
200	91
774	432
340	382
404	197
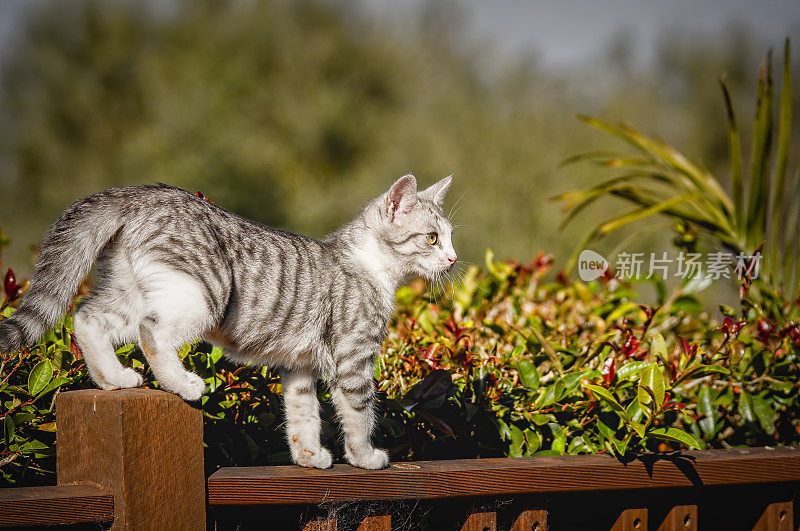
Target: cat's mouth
446	269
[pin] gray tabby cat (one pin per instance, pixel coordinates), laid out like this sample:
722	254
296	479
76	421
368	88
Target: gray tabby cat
173	268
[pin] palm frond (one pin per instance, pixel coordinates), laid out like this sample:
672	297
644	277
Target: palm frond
659	179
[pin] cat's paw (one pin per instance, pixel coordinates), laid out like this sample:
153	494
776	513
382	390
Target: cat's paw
125	378
370	458
188	386
318	457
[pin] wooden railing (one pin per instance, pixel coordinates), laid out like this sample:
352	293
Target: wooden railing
61	504
133	459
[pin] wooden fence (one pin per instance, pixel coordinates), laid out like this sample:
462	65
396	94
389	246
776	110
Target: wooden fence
133	459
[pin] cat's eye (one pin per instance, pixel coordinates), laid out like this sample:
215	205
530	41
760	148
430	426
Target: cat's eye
432	238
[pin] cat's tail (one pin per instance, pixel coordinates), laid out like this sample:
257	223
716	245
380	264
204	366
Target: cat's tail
66	255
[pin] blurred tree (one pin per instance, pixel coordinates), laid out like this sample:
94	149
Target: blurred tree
290	114
295	113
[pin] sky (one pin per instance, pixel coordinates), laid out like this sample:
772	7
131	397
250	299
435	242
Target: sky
566	33
569	33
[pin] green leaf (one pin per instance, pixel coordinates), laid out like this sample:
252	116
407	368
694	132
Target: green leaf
533	441
725	398
502	429
704	403
621	446
707	426
634	411
687	303
604	429
39	377
572	379
653	380
674	435
540	419
552	394
215	355
639	428
785	122
735	153
759	193
746	407
499	270
559	438
33	444
517	440
622	310
658	346
707	409
700	370
9	429
765	414
603	394
55	382
528	374
632	370
647	400
578	445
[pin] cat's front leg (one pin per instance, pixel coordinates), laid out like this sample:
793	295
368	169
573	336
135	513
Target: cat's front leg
354	396
302	419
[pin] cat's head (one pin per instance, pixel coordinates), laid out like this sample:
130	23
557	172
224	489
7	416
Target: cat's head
414	229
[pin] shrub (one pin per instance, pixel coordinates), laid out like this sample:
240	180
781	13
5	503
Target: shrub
503	362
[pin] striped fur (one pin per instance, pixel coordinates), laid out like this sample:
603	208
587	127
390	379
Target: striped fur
173	268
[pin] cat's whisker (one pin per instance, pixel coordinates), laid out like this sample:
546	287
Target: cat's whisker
451	213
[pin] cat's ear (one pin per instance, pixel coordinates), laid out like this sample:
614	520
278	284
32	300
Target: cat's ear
437	191
402	196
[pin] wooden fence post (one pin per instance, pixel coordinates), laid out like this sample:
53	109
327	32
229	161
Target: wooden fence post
776	517
631	520
680	517
531	520
144	446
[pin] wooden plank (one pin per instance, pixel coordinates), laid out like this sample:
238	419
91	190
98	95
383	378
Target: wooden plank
480	522
66	504
631	520
376	523
531	520
680	518
142	445
321	525
286	485
776	517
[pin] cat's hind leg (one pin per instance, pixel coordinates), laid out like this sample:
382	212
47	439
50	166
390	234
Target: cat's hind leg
175	313
98	323
302	419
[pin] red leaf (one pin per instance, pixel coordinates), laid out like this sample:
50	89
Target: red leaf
630	346
684	345
765	330
437	423
433	385
74	348
730	327
10	283
609	370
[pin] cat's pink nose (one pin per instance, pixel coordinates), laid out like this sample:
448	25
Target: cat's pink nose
451	260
